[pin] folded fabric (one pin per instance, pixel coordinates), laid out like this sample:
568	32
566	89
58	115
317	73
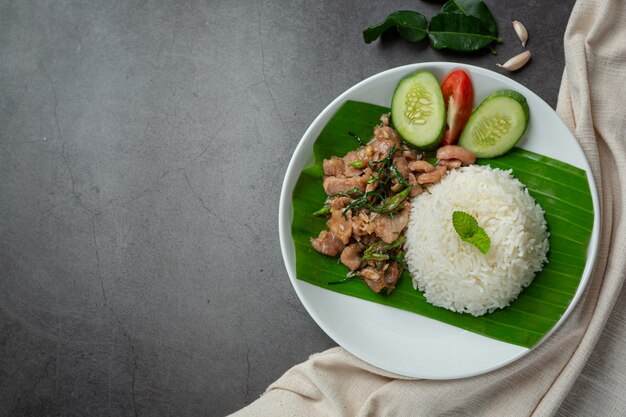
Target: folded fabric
593	90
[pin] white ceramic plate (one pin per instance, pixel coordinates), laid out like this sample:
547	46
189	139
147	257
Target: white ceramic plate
396	340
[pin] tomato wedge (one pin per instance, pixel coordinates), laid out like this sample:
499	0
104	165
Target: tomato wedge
458	95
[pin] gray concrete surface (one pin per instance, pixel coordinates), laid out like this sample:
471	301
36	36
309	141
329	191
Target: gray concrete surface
143	145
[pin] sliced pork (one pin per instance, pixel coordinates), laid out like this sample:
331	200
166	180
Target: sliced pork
340	224
367	207
351	256
456	152
388	228
334	167
327	244
335	185
432	177
373	278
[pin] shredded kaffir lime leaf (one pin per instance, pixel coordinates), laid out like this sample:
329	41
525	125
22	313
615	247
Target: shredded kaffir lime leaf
469	231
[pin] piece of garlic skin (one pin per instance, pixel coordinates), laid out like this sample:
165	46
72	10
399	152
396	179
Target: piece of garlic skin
521	31
517	62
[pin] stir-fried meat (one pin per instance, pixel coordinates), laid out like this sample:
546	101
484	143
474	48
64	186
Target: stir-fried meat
351	256
366	229
363	155
388	228
417	188
451	163
368	239
381	148
384	133
378	279
385	119
403	166
392	273
421	166
372	183
432	177
456	152
338	202
334	185
371	186
358	167
340	226
327	243
361	225
373	278
411	155
334	167
396	186
415	192
355	172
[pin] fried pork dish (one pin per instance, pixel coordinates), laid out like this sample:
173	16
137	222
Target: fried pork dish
368	203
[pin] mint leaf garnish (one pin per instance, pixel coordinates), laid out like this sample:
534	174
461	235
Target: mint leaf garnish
469	231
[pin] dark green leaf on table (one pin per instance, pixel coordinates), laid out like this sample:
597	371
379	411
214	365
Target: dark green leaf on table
475	8
459	32
411	25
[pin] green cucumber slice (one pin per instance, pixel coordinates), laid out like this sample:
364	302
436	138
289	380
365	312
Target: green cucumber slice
496	125
418	112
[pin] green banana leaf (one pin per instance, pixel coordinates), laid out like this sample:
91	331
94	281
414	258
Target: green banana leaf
561	189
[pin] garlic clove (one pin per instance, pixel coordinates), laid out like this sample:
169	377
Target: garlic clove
517	62
521	31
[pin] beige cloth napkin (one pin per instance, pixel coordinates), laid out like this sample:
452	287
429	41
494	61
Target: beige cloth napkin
592	101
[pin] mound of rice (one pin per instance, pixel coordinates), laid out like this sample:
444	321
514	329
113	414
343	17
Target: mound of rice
454	274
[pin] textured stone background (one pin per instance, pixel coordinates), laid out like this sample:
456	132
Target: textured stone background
143	146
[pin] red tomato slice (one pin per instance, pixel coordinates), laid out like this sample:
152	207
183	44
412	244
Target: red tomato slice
458	95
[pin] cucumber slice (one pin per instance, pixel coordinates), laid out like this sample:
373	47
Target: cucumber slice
418	112
496	125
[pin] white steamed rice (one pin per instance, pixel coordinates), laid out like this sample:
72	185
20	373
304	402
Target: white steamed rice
454	274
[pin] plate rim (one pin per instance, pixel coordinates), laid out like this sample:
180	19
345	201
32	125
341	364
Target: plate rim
286	196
